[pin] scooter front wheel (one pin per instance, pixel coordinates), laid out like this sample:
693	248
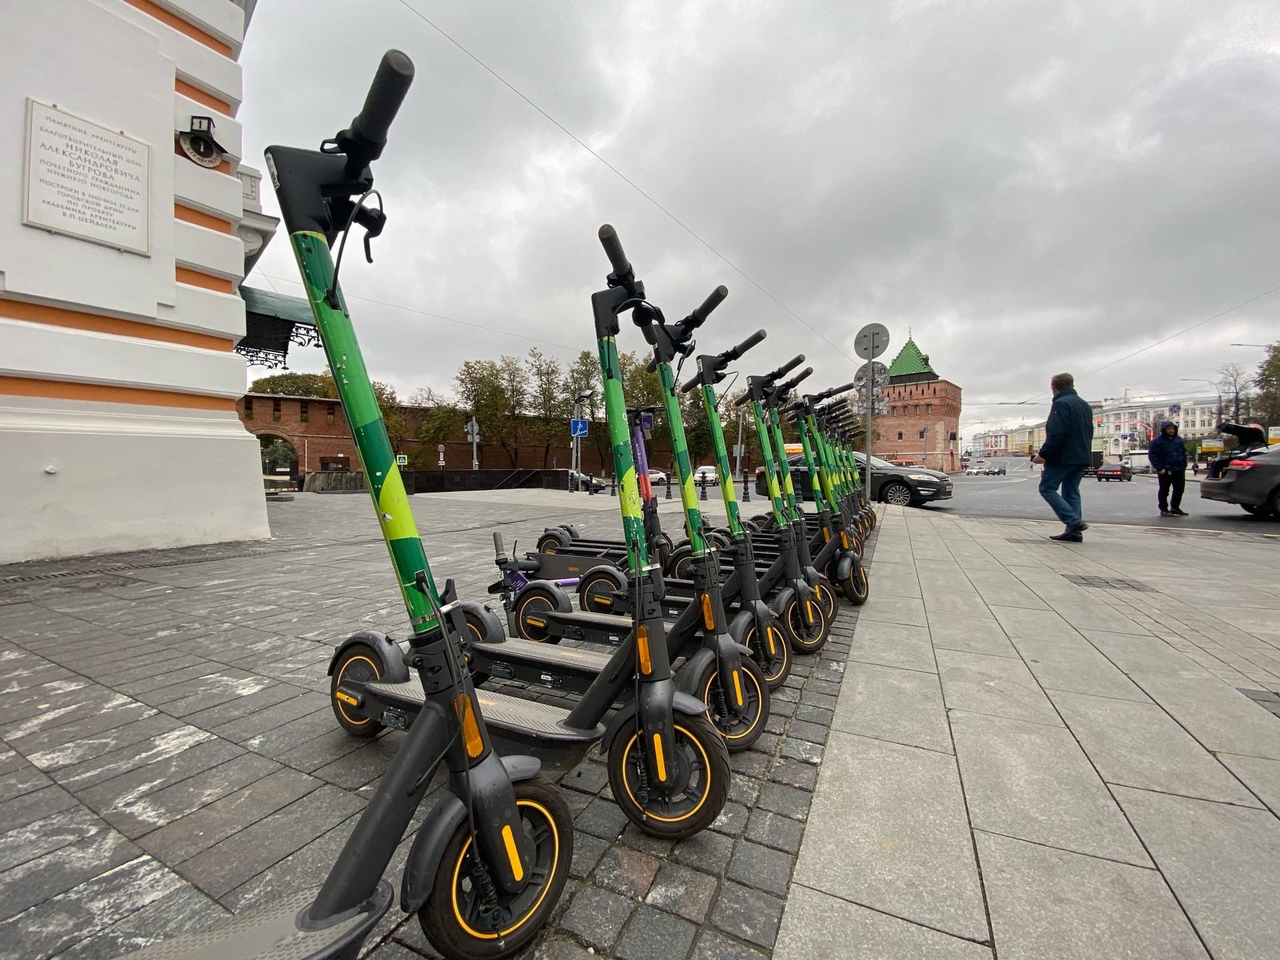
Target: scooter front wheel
699	783
806	625
856	587
739	732
771	648
359	664
463	921
824	592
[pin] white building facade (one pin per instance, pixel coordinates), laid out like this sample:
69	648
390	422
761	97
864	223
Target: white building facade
1125	426
120	255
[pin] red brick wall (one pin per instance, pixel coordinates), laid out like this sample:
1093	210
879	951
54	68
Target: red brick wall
939	404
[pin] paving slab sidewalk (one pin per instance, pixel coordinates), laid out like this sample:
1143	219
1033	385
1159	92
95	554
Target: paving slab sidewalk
988	759
1073	756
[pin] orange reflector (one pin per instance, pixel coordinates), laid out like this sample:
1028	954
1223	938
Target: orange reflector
708	615
517	869
535	622
658	758
826	534
844	539
642	650
808	611
768	632
347	699
737	687
471	738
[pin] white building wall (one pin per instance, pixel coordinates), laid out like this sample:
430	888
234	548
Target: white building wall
117	377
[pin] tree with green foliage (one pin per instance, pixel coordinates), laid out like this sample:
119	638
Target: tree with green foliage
1266	406
277	453
584	374
549	405
297	385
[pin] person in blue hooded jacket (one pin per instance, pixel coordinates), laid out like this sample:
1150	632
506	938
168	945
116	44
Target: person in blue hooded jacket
1168	456
1067	451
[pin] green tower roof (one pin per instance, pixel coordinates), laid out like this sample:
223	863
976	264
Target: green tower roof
910	361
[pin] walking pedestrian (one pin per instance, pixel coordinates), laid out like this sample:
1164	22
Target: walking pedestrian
1168	456
1195	468
1067	452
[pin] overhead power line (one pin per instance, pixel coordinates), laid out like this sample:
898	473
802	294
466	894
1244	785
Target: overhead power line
627	180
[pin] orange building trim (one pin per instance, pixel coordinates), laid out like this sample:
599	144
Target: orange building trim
200	218
197	279
175	21
100	393
78	320
208	99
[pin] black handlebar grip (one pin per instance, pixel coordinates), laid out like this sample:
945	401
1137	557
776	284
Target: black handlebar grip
714	300
613	250
791	384
690	385
497	542
785	368
742	399
386	93
745	345
834	392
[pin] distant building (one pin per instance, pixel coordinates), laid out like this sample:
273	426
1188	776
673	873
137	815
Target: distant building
923	422
1124	426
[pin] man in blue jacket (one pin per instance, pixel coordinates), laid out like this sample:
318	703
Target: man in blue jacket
1067	452
1168	456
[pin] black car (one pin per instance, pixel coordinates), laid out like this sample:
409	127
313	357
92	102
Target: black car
1249	475
905	486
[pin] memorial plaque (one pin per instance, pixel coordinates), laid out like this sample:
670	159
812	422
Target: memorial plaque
87	181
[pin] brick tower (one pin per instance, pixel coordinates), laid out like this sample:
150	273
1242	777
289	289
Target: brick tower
924	414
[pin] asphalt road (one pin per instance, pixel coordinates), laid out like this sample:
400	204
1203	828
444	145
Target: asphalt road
1016	495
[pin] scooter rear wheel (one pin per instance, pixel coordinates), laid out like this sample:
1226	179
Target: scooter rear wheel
535	601
458	920
739	732
700	782
359	663
597	587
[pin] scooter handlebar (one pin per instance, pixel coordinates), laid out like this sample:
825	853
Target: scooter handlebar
386	93
833	392
613	250
714	300
497	544
791	384
745	345
785	368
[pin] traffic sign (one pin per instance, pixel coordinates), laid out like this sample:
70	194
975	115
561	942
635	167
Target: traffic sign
577	428
1175	408
402	459
871	341
439	448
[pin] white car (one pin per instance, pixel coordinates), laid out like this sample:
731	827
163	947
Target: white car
657	476
707	475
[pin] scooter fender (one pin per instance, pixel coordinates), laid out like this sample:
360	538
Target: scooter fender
781	600
482	618
844	565
681	703
433	836
393	666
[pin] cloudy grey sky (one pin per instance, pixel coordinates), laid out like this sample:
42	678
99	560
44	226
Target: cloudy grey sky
1026	186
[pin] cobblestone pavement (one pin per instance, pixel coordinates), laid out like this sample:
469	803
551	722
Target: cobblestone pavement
1015	749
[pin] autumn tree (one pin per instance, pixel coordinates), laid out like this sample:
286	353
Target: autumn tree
1267	381
297	385
548	403
1236	385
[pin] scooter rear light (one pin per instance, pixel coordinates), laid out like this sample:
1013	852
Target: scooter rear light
471	738
642	651
1241	465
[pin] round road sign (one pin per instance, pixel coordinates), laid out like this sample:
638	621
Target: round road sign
871	341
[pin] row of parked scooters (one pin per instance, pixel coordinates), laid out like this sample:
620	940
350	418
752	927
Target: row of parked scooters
672	648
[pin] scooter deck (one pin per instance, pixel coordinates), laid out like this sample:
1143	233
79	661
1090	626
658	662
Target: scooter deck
273	932
512	715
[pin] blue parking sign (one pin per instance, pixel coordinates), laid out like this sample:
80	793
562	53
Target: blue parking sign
577	428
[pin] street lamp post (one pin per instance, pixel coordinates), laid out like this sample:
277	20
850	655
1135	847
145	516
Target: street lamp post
1216	389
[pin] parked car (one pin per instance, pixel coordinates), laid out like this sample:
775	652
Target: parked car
578	481
657	476
1248	475
1115	471
905	486
707	475
979	460
993	470
972	471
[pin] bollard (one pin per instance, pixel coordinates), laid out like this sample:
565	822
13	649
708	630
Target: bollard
746	486
704	487
613	484
591	485
668	486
